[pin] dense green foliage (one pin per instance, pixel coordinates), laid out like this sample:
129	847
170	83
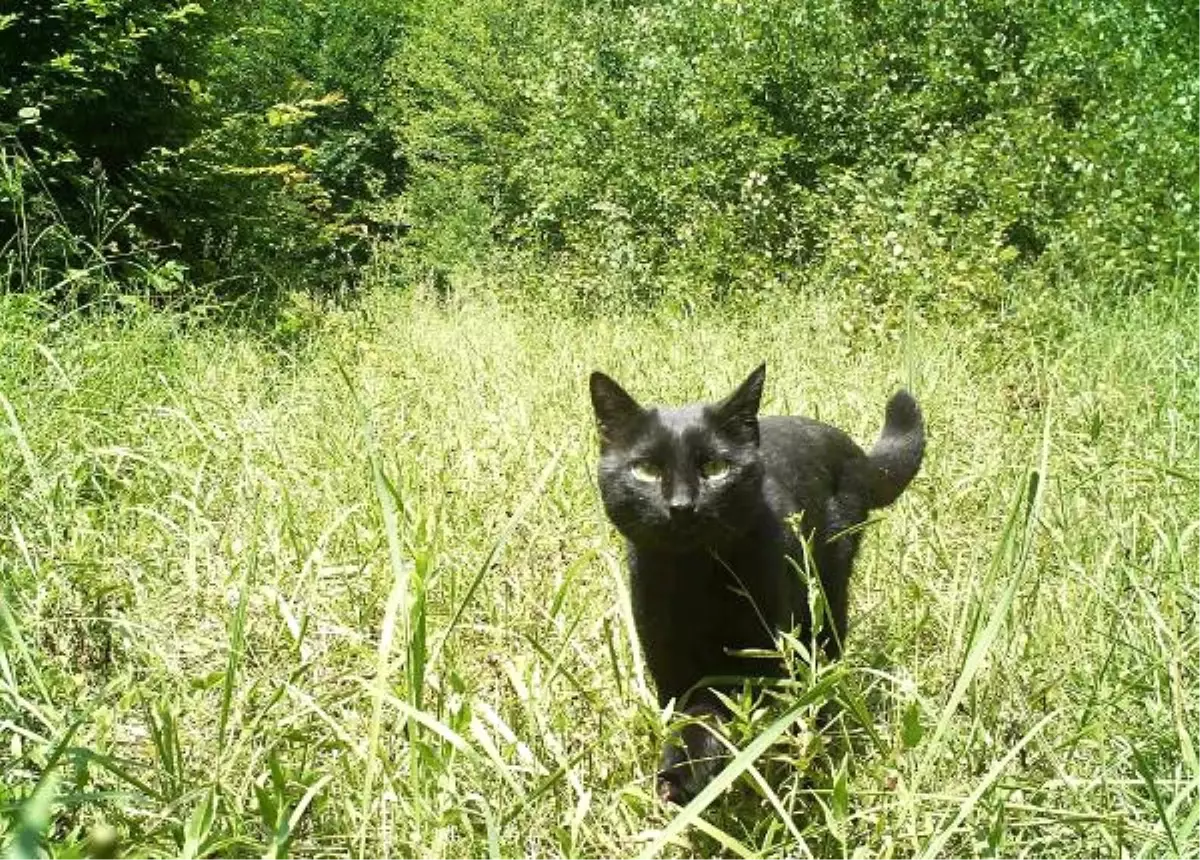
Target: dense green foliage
102	82
87	92
948	153
872	142
235	141
287	179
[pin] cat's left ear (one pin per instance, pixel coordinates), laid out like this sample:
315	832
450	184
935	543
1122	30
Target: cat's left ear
616	412
739	411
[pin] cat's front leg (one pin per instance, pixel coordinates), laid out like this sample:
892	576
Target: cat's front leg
692	758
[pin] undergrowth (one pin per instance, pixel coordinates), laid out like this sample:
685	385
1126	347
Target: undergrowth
352	593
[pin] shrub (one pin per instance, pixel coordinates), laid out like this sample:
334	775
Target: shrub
291	178
731	143
88	90
238	140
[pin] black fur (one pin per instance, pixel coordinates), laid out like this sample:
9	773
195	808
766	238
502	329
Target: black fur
711	552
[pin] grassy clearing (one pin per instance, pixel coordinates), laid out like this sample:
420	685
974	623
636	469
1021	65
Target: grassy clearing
357	596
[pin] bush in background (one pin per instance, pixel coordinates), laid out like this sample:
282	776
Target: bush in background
87	91
886	144
161	145
950	155
291	179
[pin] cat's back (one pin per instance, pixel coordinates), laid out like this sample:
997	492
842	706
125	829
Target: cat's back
804	455
794	438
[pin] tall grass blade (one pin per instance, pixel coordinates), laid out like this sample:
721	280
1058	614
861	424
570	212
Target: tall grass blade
33	820
36	477
11	639
1147	776
522	511
397	597
281	839
199	825
934	847
236	644
982	642
738	765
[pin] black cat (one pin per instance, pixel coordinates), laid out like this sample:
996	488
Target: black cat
709	498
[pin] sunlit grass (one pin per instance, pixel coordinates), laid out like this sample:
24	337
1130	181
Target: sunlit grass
357	596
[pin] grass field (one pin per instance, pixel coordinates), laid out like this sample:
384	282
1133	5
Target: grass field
353	592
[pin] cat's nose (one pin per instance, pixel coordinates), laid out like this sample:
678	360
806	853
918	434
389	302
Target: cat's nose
681	507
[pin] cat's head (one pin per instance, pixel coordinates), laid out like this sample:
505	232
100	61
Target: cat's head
683	477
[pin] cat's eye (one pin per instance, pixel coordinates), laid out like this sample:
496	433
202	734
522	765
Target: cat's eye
647	472
714	470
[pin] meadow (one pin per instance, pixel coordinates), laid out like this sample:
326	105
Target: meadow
350	592
301	550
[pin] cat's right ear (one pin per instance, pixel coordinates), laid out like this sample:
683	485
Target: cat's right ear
615	410
739	411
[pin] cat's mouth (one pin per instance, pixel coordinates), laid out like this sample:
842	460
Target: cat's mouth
667	534
684	530
692	531
681	531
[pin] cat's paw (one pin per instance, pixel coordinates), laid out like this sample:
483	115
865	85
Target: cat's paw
671	788
680	779
691	760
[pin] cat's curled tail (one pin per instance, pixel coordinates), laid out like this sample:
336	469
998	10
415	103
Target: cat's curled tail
879	478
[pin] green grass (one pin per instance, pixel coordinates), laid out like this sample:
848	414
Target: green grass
355	594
